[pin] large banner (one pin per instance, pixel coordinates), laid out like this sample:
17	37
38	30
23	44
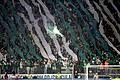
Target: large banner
46	76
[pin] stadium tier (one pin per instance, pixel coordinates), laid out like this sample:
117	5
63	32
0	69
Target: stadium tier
58	36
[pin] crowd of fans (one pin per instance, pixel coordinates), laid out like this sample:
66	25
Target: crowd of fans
99	53
31	66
